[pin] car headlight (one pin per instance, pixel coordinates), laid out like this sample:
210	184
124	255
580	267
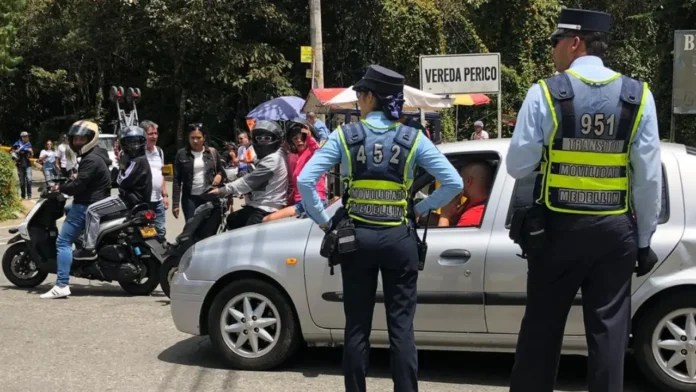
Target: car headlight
185	260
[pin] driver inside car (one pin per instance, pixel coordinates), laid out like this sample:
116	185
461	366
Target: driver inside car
134	187
267	182
91	184
478	180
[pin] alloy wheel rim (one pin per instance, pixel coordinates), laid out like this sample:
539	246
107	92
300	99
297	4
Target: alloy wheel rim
674	345
250	325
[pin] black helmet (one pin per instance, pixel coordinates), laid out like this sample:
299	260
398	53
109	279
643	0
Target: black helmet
86	129
133	141
266	137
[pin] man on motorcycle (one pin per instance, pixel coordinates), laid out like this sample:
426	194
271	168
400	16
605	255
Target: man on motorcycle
134	187
268	182
92	183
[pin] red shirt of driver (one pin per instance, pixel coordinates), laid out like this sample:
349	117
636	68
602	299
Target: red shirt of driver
472	216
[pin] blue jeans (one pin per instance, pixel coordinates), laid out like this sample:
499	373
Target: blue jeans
160	217
24	181
72	227
49	173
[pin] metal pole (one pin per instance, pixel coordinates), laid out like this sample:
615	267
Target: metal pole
456	122
500	114
313	64
671	108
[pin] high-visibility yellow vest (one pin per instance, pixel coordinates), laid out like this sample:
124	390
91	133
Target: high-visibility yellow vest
586	165
378	162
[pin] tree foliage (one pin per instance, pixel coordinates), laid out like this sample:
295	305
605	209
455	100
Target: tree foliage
214	60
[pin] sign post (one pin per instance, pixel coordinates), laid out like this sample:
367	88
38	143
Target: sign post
307	56
684	76
453	74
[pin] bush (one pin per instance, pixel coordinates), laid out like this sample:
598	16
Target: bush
10	203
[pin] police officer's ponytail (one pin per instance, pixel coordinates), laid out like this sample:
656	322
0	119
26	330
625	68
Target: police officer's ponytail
392	105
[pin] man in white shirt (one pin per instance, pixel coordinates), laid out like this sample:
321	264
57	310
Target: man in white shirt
479	133
159	200
65	159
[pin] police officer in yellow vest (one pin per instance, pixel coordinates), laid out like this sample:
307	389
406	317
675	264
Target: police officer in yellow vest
594	133
378	157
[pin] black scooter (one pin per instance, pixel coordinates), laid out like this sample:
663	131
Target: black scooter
125	248
208	220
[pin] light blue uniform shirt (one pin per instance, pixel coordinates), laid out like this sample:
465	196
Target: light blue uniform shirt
322	130
331	153
533	131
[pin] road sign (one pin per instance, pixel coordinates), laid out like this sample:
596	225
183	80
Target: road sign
308	73
684	79
305	54
460	73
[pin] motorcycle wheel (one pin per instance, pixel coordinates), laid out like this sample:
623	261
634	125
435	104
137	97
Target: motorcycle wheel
166	273
16	265
148	282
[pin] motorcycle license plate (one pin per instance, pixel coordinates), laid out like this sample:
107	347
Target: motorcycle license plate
148	232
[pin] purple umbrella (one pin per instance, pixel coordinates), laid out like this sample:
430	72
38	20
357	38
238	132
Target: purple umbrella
278	109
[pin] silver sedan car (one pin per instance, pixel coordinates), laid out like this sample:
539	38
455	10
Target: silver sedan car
263	290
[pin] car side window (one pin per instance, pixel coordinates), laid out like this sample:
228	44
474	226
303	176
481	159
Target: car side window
523	194
473	214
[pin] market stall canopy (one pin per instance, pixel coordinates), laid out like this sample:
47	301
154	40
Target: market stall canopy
471	99
415	99
317	98
278	109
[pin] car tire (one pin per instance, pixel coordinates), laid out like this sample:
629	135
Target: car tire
287	336
651	327
20	249
167	270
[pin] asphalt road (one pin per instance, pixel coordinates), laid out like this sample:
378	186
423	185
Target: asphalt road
101	339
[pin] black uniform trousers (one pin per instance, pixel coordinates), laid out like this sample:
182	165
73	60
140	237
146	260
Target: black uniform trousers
596	255
393	252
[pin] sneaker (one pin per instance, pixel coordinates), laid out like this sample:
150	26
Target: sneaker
84	254
56	292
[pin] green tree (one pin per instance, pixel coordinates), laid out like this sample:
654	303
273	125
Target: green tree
9	15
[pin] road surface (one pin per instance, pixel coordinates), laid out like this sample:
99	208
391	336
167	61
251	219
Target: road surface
101	339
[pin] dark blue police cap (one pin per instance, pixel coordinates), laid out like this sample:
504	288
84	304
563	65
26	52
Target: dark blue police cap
582	20
381	81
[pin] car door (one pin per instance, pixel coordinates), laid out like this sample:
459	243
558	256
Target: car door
450	288
506	273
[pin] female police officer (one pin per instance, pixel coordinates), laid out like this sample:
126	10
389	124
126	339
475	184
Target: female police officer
377	157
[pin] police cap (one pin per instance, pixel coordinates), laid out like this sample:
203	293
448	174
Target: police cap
381	81
577	20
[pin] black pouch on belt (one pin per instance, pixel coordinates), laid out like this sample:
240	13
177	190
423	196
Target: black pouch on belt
422	244
528	230
346	238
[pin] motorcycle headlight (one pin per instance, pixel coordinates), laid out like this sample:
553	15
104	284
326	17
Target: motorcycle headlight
185	260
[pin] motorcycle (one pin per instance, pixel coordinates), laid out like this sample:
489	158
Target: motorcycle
208	220
126	248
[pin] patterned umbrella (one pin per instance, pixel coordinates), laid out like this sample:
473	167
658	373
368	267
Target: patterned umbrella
471	99
278	109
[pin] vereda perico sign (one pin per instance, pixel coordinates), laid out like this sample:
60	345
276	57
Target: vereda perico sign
460	73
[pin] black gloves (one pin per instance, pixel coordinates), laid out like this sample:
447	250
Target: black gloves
646	261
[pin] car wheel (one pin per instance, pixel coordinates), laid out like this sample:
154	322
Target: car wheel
20	269
253	326
665	343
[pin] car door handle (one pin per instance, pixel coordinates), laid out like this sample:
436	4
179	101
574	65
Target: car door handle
454	256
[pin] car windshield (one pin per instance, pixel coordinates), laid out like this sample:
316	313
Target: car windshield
107	143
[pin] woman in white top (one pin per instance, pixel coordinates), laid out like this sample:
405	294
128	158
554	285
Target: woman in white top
47	157
196	167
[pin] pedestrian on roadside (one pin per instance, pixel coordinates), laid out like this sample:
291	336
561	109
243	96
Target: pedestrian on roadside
66	159
244	153
479	133
595	134
47	157
22	154
159	201
196	167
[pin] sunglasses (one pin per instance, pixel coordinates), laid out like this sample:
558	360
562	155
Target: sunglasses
195	126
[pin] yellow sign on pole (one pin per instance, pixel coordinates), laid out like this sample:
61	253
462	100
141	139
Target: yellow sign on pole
305	54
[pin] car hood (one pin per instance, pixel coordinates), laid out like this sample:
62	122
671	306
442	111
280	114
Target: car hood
260	247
